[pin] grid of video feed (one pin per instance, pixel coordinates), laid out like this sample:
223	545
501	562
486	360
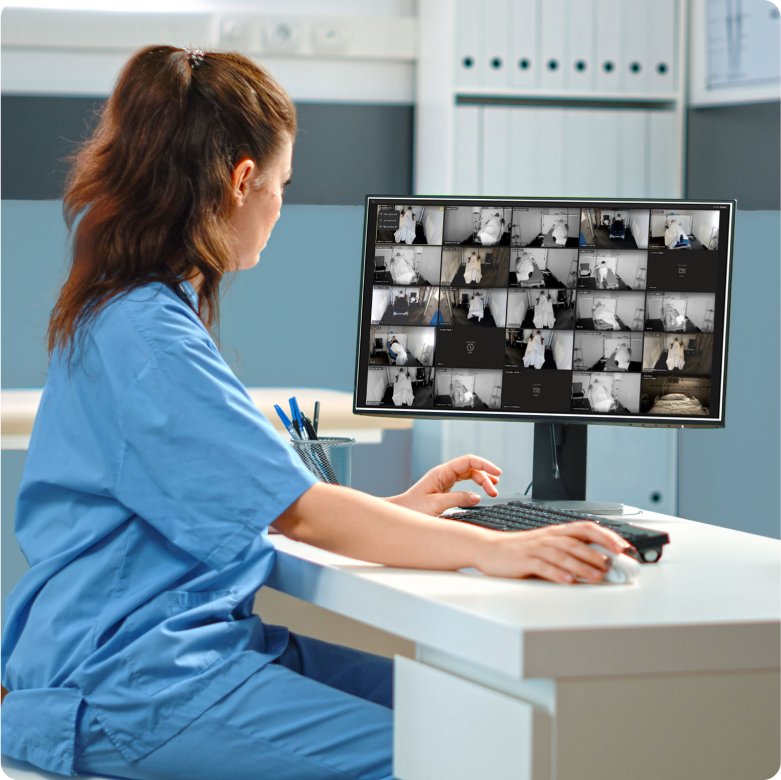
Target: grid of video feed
547	310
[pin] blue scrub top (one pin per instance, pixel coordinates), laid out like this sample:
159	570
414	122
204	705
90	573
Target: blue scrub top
150	481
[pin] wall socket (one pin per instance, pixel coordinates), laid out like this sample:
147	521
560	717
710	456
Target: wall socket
282	34
330	36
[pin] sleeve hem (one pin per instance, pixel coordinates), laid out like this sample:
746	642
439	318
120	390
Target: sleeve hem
287	495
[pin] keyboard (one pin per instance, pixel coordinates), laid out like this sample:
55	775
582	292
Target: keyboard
523	516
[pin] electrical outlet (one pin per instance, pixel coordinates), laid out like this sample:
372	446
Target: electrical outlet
330	36
282	34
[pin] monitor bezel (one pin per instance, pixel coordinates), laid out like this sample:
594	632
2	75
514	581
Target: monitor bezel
638	421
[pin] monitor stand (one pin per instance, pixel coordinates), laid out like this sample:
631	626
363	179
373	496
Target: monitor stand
559	476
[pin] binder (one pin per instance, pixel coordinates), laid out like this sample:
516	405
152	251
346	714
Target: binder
606	162
524	51
637	43
663	32
495	32
580	69
584	152
609	45
633	155
468	43
523	151
495	150
663	155
466	149
553	26
550	151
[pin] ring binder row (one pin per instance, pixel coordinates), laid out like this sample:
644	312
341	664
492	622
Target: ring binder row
606	47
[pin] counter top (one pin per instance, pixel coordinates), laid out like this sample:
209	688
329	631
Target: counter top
712	602
19	407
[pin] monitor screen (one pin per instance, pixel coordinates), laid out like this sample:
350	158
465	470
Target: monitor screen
565	310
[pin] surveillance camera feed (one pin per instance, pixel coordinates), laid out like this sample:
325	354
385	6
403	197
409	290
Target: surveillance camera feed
520	308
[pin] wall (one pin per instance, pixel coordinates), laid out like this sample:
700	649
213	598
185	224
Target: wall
451	259
559	263
498	304
517	306
528	225
695	309
729	477
561	346
639	221
429	266
628	263
703	224
592	349
460	225
627	303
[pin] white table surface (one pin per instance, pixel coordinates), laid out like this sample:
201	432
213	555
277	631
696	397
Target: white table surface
712	602
18	409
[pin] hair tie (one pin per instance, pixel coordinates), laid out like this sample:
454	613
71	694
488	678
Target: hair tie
194	56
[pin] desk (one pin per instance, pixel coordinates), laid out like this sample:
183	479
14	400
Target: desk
19	408
676	676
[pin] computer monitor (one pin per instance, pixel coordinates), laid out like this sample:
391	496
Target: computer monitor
565	311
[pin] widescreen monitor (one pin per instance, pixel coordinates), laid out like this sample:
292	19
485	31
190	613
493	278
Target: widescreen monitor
545	310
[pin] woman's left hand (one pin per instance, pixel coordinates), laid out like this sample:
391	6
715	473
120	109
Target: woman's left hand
431	495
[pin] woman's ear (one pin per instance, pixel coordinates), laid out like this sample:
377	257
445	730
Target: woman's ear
240	180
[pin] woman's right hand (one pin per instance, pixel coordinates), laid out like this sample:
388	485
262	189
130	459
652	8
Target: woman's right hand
560	553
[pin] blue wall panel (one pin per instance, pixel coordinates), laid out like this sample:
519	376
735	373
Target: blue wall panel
291	320
34	251
729	476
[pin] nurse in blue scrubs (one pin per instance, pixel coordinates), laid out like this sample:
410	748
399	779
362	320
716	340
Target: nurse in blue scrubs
130	648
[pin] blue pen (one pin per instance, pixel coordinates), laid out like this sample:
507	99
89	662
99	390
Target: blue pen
294	417
288	425
298	421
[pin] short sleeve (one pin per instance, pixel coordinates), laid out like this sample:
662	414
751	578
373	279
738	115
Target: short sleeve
200	463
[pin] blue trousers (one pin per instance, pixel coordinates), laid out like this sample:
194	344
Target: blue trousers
320	712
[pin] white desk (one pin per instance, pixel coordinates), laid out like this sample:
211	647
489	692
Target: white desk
19	407
676	676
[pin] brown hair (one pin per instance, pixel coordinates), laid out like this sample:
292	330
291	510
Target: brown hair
154	180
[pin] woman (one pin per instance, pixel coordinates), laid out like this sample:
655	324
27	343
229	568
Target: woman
476	307
599	397
672	318
473	273
543	312
535	351
491	231
560	232
130	648
601	273
459	395
402	271
674	235
524	267
675	356
406	232
622	357
402	390
604	319
397	351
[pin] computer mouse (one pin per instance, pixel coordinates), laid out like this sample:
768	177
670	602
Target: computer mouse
623	569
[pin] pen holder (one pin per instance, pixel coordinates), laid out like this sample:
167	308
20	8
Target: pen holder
330	458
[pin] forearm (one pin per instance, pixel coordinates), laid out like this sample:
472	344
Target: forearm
361	526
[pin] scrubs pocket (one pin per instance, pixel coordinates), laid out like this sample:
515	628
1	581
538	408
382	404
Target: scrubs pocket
178	635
